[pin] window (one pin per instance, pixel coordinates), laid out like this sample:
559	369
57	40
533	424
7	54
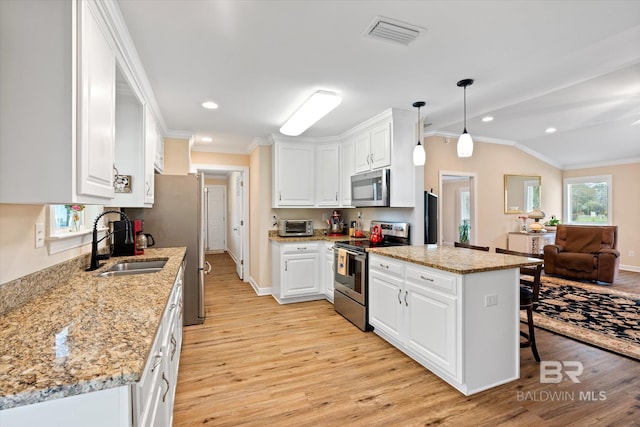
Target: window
62	234
587	200
531	194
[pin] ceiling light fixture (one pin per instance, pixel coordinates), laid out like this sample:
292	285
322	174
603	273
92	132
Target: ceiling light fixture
206	139
487	119
465	143
316	107
550	130
419	156
210	105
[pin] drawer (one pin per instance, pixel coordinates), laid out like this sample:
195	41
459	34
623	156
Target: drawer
144	389
432	279
385	265
301	247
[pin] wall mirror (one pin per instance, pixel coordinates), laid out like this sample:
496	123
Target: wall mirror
521	193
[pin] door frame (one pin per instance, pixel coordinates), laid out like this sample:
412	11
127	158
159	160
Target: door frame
244	231
473	188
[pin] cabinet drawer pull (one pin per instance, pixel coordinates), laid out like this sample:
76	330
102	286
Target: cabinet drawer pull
426	278
167	390
399	292
406	293
304	248
384	266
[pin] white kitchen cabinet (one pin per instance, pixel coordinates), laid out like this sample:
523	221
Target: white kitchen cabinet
328	272
445	321
373	148
296	271
159	159
150	142
328	175
346	170
59	119
149	402
293	174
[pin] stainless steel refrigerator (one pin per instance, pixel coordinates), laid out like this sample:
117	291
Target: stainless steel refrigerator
176	219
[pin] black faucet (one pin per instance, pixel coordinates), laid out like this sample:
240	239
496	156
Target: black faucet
94	243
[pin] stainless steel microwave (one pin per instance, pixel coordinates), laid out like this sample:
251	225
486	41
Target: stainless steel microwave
295	227
371	189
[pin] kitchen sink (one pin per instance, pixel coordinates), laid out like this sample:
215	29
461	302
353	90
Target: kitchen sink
134	267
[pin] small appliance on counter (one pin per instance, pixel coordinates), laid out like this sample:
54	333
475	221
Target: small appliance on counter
336	224
295	227
120	248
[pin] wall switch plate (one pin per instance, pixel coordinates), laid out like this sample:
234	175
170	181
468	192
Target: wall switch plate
39	235
490	300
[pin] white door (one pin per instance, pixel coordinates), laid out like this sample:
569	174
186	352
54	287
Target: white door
238	224
215	214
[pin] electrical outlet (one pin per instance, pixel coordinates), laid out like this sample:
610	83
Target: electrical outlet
632	253
39	235
490	300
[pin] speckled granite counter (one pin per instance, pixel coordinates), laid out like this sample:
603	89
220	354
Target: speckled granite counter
455	260
318	235
90	333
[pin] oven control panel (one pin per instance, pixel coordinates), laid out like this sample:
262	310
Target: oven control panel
395	229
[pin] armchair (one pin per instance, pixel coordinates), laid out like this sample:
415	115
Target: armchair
584	252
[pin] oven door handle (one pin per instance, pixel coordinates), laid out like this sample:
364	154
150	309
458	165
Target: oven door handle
356	254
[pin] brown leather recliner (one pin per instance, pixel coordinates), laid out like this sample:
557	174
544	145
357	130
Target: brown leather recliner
584	252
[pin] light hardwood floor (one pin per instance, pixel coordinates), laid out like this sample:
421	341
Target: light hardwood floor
255	362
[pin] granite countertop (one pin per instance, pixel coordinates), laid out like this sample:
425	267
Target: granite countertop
319	234
90	333
455	260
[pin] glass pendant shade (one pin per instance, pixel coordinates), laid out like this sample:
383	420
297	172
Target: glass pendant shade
465	145
419	155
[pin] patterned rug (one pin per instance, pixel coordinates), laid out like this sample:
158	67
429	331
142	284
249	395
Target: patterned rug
597	315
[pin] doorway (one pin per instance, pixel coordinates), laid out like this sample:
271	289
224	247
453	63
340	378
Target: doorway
458	207
236	226
215	218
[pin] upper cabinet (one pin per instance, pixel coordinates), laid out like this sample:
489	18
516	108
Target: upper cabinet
60	109
328	175
373	148
294	178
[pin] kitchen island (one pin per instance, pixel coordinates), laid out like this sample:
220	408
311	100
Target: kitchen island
84	346
453	310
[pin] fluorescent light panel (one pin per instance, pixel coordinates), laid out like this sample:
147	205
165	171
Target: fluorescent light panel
316	107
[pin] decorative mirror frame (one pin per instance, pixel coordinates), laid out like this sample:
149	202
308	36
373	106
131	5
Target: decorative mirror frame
513	183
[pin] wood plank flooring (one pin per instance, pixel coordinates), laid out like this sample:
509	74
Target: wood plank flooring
255	363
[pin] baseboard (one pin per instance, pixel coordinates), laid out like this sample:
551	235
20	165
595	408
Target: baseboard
257	289
630	268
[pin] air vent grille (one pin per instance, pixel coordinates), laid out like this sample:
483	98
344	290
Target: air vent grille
392	30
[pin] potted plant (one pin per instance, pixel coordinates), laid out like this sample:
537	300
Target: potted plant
552	224
463	229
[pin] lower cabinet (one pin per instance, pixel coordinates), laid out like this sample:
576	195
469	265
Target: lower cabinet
444	320
154	394
328	272
296	271
149	402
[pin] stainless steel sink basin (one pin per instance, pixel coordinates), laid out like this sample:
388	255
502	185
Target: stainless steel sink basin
134	267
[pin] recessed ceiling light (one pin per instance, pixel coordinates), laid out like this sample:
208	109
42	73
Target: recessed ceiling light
487	119
210	105
550	130
206	139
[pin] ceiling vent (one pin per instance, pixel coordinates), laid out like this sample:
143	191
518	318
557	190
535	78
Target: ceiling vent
392	30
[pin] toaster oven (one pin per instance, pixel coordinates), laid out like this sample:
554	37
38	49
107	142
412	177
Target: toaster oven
295	227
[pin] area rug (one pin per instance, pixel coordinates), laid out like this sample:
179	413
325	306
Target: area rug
598	315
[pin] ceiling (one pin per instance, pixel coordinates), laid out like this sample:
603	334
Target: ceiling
571	65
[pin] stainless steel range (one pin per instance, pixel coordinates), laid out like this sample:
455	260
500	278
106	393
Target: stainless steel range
351	281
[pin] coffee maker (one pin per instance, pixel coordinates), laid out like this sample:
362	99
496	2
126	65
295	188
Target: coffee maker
120	248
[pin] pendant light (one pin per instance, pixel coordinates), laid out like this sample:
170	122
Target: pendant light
419	156
465	143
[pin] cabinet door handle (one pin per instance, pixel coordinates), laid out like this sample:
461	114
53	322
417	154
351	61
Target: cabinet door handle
148	188
405	298
429	279
175	346
208	265
158	362
336	196
279	195
285	266
167	390
368	159
371	158
399	300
